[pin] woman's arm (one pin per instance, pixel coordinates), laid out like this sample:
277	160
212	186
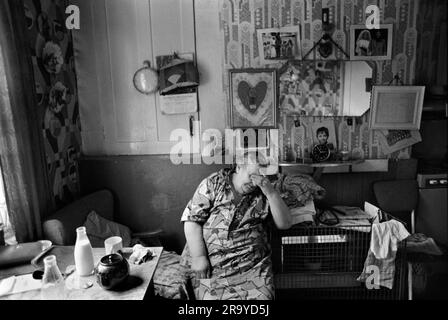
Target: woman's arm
280	212
200	263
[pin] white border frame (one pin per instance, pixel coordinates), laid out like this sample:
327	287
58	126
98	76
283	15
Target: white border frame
390	39
417	112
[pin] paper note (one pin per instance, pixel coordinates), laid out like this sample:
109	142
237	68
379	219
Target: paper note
372	211
6	285
179	103
17	284
394	140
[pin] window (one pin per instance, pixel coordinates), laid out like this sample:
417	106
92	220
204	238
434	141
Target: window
8	231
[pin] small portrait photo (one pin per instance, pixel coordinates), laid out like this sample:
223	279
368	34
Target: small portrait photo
279	44
324	133
371	44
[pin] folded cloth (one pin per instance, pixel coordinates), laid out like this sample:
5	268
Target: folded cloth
298	189
304	213
140	254
351	218
384	241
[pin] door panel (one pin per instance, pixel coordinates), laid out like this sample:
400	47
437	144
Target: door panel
114	40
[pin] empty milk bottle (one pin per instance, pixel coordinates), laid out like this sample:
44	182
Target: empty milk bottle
83	253
53	285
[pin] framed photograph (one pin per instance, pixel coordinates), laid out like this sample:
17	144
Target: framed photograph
253	98
324	133
279	44
396	107
371	44
324	141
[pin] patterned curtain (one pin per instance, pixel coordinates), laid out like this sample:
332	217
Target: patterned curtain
21	151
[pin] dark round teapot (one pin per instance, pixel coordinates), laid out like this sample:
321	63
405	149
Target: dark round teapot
111	271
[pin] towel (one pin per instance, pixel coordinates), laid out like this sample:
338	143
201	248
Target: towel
385	238
382	252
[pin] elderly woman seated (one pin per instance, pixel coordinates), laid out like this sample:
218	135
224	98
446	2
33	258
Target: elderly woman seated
225	226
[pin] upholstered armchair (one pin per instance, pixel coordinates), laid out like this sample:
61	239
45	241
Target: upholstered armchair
98	210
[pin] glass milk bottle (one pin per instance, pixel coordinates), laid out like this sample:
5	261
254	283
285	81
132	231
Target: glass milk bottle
53	285
83	253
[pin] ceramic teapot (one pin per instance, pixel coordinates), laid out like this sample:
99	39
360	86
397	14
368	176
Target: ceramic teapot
111	271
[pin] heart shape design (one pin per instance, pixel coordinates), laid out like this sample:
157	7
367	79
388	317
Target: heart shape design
252	97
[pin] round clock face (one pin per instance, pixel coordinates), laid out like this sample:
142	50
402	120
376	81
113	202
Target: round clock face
146	80
320	152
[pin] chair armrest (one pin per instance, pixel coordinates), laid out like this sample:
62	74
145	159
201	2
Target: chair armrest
148	234
60	227
148	238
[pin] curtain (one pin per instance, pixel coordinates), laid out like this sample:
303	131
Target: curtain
21	144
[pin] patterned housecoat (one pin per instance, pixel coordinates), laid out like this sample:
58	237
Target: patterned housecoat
236	239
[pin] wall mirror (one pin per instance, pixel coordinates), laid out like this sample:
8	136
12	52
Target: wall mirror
358	76
325	88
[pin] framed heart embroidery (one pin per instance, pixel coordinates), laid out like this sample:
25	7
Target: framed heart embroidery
253	98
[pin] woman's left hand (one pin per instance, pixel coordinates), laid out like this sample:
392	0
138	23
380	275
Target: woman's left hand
265	185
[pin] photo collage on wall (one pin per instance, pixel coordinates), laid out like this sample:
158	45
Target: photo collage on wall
311	89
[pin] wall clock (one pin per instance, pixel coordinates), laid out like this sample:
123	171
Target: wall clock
320	153
146	79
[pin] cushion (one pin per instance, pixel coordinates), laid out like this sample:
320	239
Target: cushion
171	279
99	229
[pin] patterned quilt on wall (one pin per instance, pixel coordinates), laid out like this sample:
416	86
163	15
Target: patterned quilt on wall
51	49
240	19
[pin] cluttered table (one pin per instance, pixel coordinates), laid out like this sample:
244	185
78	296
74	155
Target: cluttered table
138	285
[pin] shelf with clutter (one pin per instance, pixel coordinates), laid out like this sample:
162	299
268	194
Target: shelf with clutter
328	164
319	167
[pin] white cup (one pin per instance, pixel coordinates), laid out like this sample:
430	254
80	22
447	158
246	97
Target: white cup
113	244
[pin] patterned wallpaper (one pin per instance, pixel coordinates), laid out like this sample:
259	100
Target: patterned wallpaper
55	82
239	20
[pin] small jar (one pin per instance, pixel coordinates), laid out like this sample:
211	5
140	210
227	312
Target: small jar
345	155
111	271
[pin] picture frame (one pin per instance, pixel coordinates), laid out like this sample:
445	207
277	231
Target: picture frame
253	98
329	128
396	107
279	44
371	44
